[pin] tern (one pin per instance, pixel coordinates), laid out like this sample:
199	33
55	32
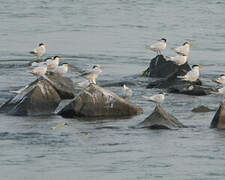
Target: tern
40	50
126	92
159	46
192	75
158	98
184	49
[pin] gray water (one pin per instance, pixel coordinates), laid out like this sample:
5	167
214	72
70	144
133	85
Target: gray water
112	33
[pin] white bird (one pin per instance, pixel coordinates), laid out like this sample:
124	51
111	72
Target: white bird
19	90
179	60
221	91
192	75
184	49
220	80
63	69
158	47
40	50
126	92
158	98
93	74
39	71
53	63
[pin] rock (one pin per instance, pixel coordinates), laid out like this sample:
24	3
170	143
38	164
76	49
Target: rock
194	90
160	119
219	118
95	101
176	85
202	109
41	97
63	85
160	67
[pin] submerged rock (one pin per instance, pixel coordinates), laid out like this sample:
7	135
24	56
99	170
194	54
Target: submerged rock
160	119
219	118
202	109
41	97
95	101
160	67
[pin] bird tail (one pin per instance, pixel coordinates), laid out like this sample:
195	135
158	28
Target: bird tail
32	52
149	47
148	98
180	77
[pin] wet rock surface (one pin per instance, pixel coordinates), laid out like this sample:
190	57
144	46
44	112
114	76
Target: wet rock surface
160	119
41	97
94	101
219	118
160	67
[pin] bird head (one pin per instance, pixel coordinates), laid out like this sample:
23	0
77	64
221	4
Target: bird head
58	58
197	67
43	44
162	39
98	67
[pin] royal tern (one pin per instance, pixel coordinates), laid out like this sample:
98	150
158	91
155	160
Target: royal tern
184	49
53	63
158	47
158	98
126	92
192	75
40	50
93	74
63	69
179	60
39	71
220	80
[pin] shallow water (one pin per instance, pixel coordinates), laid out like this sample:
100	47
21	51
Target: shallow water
114	34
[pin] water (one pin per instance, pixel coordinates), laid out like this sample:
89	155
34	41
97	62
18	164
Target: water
111	33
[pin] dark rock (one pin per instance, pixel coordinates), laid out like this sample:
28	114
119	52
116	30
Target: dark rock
95	101
160	67
202	108
219	118
41	97
194	90
160	119
176	85
63	85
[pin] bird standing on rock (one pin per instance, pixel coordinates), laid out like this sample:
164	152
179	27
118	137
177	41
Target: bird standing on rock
184	49
40	50
53	63
192	75
127	92
158	47
93	74
63	69
40	70
158	98
179	60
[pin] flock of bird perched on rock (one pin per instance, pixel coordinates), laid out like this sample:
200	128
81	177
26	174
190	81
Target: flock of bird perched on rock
95	101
